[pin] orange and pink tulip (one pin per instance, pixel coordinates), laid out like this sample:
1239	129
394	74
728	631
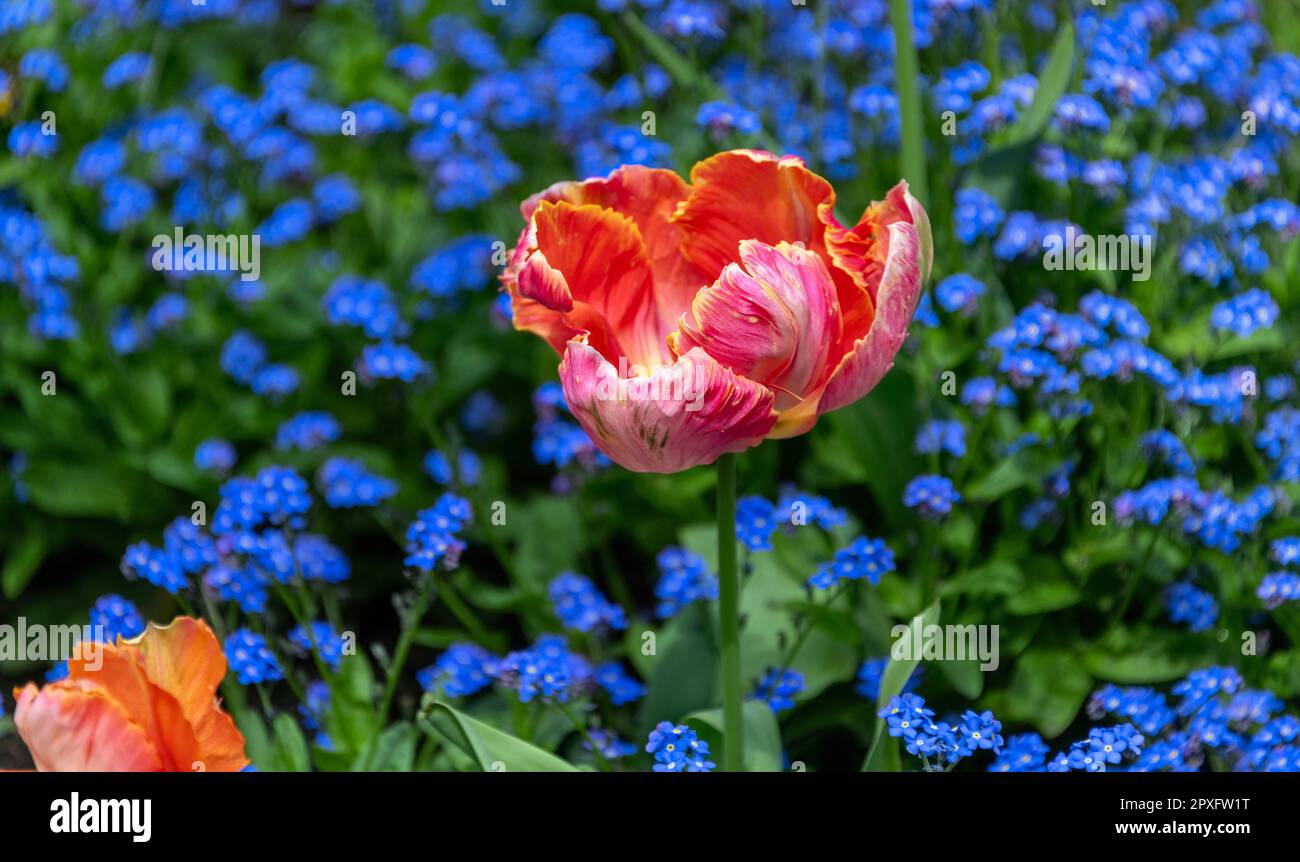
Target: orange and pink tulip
696	320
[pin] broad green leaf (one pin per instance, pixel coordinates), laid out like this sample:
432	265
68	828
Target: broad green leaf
87	490
965	676
1040	597
1146	655
139	405
997	578
1047	690
883	756
257	740
492	750
1027	467
777	583
682	675
870	441
550	541
1001	172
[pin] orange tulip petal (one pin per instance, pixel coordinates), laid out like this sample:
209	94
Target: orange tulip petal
74	726
118	672
185	660
221	745
863	250
649	197
751	194
597	258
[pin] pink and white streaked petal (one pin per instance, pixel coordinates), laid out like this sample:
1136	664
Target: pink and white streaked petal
679	416
772	318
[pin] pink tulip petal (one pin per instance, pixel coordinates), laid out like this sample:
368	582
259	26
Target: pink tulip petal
772	318
676	417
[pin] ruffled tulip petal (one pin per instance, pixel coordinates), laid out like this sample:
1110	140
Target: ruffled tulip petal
772	318
751	194
678	416
872	355
74	726
863	250
119	673
186	661
649	197
594	260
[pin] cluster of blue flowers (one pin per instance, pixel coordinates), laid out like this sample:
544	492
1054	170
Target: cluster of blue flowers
347	484
940	744
758	518
863	558
547	670
251	659
683	578
432	538
1194	607
579	604
677	748
1211	517
42	276
305	431
244	358
468	470
778	689
931	495
462	669
1278	588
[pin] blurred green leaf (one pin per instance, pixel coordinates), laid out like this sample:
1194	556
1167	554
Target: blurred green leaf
762	736
22	559
392	751
1148	655
883	755
1053	81
492	750
1047	690
290	745
352	721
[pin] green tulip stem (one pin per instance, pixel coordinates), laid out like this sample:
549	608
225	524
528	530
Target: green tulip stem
733	751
